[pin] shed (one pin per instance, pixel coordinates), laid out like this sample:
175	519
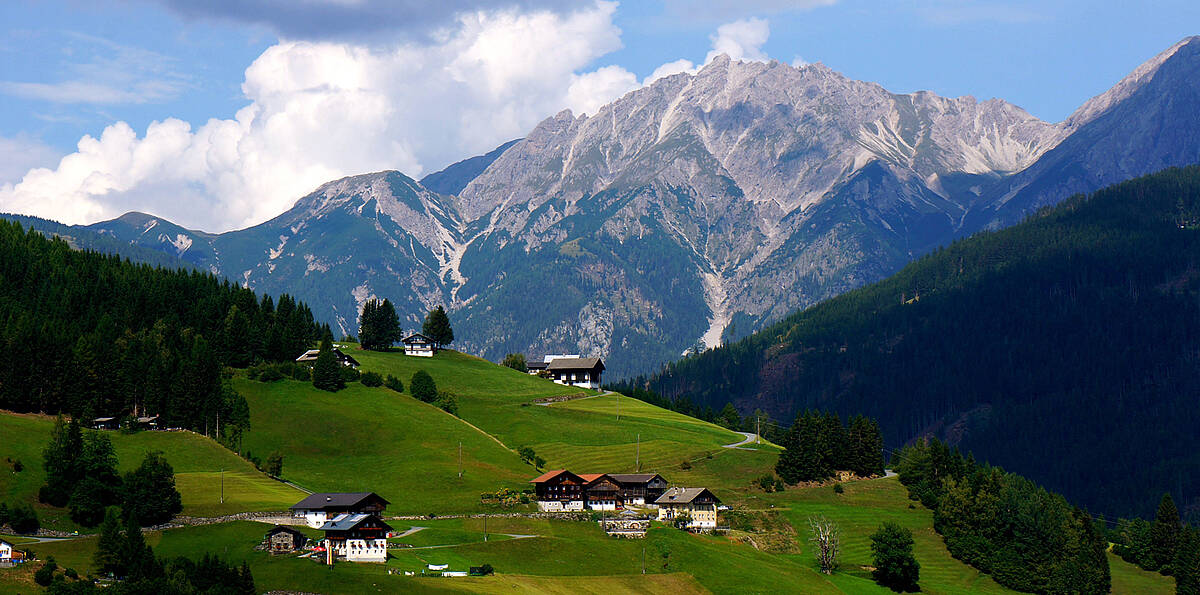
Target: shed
283	539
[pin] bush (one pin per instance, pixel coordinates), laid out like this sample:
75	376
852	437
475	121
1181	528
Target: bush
686	465
766	482
23	519
516	361
45	574
838	489
303	373
423	387
371	379
394	383
270	375
446	402
350	374
18	466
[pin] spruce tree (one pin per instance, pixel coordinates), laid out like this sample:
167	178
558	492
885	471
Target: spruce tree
110	545
437	327
150	494
1187	562
895	566
1164	534
327	373
60	460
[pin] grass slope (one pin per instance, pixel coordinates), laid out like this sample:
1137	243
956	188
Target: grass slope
373	439
585	435
198	464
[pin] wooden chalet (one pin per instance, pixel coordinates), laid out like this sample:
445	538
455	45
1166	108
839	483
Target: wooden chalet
356	538
282	539
147	422
419	345
310	357
601	492
106	423
640	489
558	491
699	504
317	509
583	372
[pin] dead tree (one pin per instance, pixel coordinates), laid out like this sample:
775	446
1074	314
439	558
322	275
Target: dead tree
826	540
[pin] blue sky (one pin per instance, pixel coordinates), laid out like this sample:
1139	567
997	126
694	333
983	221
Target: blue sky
335	87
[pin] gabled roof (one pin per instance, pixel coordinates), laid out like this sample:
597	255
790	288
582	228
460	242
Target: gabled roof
632	478
322	501
311	356
347	522
547	476
575	363
590	477
416	338
683	495
284	529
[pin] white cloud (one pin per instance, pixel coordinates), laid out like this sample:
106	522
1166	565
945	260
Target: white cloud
669	69
741	40
320	110
725	9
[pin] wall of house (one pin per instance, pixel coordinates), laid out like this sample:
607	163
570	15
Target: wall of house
419	351
361	550
559	506
312	518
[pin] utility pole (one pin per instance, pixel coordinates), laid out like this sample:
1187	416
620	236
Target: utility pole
485	528
643	559
460	459
758	429
222	485
637	457
618	407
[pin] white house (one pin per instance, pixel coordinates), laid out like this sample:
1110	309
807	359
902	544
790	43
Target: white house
419	345
583	372
357	537
699	504
317	509
6	550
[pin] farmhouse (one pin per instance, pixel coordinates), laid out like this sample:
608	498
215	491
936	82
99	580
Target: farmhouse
147	422
310	357
535	367
356	538
601	492
576	371
319	508
698	504
6	550
419	345
558	491
640	489
282	540
106	423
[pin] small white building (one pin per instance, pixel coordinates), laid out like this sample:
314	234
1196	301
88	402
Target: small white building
419	345
6	550
699	504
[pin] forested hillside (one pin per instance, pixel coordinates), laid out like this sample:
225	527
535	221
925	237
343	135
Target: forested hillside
1065	348
91	334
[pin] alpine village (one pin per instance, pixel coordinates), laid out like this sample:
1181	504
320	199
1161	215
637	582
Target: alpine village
740	326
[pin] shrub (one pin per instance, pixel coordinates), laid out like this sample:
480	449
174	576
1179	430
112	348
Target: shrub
371	379
349	374
18	466
303	373
446	402
45	574
766	482
686	465
23	519
516	361
838	489
423	387
394	383
270	375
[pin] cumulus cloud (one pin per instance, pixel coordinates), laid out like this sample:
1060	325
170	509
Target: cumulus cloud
741	40
321	110
352	19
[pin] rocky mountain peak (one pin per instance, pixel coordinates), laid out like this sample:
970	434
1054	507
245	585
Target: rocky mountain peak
1186	49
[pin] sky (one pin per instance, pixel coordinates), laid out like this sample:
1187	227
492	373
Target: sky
219	114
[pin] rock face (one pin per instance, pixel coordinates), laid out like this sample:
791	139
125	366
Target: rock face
695	209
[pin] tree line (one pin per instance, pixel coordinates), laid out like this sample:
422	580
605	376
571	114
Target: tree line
817	444
1024	536
379	326
92	335
1089	311
1165	545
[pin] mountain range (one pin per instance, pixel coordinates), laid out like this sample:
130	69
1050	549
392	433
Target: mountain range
692	211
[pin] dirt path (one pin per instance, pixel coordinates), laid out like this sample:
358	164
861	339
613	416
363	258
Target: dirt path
603	394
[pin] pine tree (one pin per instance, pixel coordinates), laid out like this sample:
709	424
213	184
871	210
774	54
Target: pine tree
60	460
110	545
895	566
1187	562
137	556
327	374
729	417
1164	534
150	494
437	327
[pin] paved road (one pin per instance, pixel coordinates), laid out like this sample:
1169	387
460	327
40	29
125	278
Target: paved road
750	436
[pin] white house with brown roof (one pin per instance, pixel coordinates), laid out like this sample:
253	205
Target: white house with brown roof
699	504
419	345
583	372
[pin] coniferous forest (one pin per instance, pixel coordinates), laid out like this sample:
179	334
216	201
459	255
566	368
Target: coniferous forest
89	334
1066	348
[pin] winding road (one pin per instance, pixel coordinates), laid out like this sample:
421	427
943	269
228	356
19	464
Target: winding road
738	445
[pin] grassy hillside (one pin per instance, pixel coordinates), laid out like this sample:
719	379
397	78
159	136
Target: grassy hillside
373	439
577	557
198	464
584	434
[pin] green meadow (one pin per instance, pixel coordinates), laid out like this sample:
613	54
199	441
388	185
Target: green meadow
201	466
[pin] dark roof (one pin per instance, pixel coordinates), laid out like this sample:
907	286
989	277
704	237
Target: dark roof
538	365
346	522
635	477
284	529
575	363
683	495
417	338
335	500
